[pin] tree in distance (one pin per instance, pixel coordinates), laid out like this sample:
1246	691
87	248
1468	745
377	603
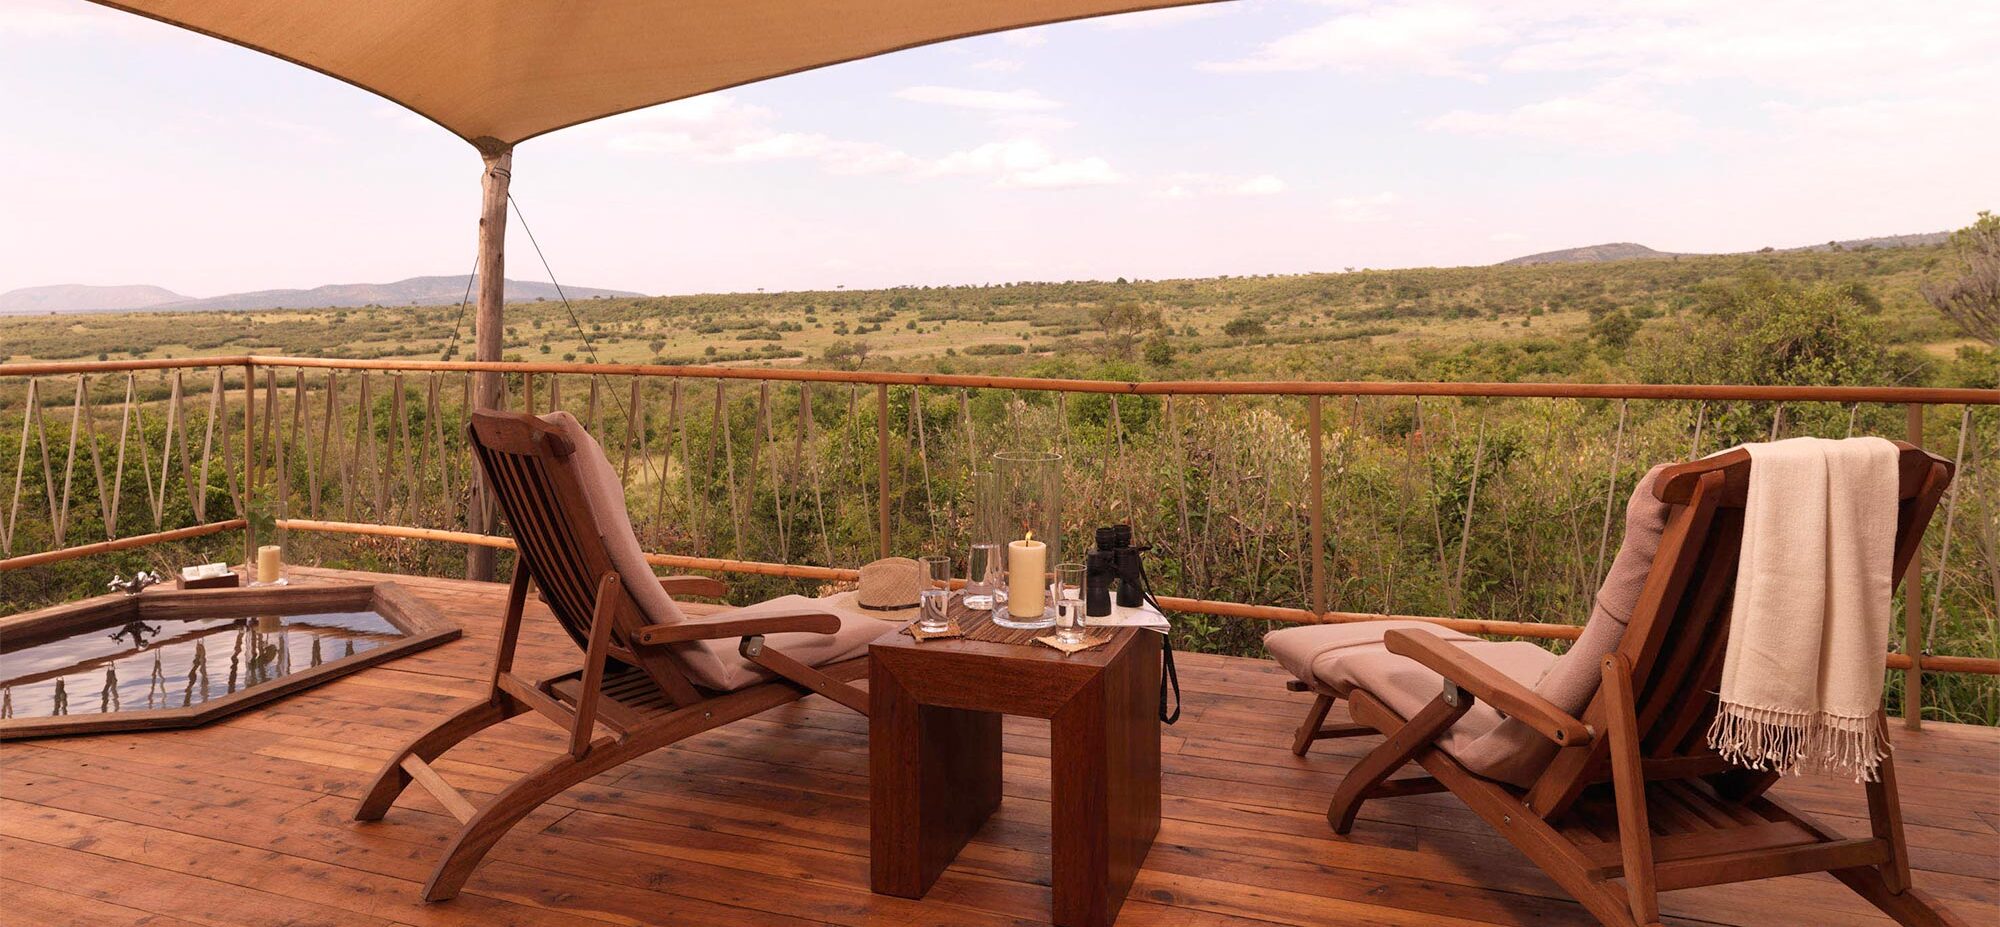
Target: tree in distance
1972	301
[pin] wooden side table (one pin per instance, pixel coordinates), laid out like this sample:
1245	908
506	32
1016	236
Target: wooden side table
934	759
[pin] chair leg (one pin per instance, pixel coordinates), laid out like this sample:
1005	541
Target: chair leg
503	811
1885	820
1910	907
1315	717
1403	744
1628	781
393	779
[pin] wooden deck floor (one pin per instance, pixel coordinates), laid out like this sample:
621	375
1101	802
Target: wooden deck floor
246	823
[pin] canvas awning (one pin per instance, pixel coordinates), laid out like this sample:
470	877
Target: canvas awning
498	72
509	70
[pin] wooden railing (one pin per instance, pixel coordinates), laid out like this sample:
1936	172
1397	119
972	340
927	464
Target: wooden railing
303	456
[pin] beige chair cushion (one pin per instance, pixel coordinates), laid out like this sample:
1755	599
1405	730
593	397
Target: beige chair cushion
1574	680
1310	651
1513	752
714	664
607	501
1334	659
1482	740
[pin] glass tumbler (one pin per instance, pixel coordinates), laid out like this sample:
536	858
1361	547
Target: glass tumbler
985	577
934	594
1069	602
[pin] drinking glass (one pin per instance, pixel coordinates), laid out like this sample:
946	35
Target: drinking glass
1069	603
934	594
985	576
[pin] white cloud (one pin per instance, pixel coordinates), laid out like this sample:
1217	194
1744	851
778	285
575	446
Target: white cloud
1031	123
1809	46
720	129
1884	120
1160	19
1026	162
1081	172
717	128
1260	185
998	65
1815	47
1358	209
1424	37
1607	119
1188	183
1007	101
53	19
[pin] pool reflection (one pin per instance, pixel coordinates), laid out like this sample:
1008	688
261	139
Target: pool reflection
135	666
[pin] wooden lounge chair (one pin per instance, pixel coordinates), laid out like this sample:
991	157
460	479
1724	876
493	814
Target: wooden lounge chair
651	674
1622	788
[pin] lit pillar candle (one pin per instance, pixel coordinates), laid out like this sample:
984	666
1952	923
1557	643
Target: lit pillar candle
268	563
1027	568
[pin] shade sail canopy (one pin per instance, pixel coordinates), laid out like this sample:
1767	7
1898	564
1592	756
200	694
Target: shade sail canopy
512	70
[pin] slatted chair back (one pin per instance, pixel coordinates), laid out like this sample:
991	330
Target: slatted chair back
559	539
1679	630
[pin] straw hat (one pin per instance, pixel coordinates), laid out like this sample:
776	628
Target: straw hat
889	584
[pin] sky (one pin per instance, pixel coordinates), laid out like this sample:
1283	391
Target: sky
1250	137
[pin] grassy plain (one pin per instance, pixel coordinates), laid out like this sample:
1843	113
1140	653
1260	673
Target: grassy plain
1478	508
1376	322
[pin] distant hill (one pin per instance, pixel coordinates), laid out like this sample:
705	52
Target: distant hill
1627	251
1589	254
72	297
1885	241
416	291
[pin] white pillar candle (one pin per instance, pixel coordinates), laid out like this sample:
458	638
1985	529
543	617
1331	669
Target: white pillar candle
268	561
1027	569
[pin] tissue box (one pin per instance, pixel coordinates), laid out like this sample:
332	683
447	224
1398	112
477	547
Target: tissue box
207	576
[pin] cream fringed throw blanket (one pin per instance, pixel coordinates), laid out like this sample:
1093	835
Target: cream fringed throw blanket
1802	676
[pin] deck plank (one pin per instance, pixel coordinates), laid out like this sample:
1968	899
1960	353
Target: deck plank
765	822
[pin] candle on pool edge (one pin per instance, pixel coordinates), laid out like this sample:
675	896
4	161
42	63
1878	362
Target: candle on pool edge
1027	564
268	563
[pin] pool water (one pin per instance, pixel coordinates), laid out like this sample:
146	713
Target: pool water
137	666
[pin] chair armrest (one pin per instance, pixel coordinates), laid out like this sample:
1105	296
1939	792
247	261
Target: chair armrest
722	626
694	585
1501	691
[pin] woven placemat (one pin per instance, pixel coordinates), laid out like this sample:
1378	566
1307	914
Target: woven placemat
975	625
950	630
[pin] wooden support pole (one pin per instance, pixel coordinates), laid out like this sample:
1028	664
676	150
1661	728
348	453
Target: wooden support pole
489	329
249	461
1316	498
1913	604
882	467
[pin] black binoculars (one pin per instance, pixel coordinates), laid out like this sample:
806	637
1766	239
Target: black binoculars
1115	560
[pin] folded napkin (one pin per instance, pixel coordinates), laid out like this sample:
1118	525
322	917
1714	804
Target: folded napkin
1802	673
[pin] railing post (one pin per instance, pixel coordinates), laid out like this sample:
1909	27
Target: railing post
1316	496
882	466
249	463
1913	606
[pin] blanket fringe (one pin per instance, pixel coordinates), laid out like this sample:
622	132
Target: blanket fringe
1798	743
